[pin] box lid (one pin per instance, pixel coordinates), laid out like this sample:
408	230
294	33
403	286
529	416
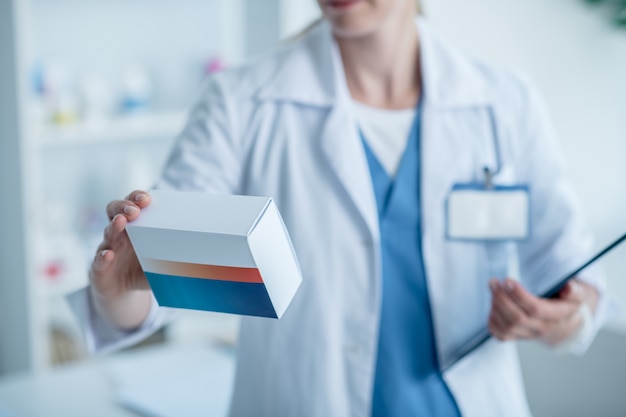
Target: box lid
201	212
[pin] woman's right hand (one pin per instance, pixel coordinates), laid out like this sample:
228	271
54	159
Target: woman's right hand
117	282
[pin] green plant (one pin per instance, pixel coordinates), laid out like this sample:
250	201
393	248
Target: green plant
616	8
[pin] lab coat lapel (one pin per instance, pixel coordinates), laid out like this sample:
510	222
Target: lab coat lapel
341	145
452	87
313	76
342	148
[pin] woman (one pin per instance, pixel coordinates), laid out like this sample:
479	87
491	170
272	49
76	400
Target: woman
360	129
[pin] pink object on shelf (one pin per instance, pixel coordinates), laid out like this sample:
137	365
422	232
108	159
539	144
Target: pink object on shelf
53	270
215	64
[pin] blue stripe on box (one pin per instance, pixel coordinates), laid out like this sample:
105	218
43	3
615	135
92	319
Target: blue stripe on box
250	299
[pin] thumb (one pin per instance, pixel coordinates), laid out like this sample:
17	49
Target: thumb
572	291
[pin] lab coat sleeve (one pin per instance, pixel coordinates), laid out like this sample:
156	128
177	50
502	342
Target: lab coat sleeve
101	336
207	155
560	240
205	158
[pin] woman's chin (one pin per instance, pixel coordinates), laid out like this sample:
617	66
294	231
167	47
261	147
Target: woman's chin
352	28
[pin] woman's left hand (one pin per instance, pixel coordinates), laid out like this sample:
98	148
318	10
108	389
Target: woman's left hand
518	314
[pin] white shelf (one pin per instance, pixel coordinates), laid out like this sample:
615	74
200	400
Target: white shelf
71	255
144	127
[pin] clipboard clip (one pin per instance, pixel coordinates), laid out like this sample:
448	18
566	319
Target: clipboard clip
488	178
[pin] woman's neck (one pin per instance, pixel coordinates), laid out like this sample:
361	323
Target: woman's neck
382	68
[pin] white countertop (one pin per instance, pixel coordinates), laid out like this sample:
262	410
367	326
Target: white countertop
156	381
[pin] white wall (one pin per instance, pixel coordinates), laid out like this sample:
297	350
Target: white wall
296	15
19	336
569	386
577	60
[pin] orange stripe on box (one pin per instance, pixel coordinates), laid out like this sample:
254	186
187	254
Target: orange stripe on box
184	269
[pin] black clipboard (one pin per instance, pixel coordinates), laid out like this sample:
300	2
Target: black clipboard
482	337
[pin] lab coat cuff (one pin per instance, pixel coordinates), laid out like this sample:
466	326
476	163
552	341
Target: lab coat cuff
606	308
579	342
102	336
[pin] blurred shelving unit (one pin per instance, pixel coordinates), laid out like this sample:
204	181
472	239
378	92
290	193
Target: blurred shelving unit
146	127
64	252
83	162
68	171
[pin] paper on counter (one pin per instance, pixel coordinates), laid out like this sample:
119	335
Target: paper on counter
175	381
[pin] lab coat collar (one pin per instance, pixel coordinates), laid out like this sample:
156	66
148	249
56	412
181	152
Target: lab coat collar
311	72
450	79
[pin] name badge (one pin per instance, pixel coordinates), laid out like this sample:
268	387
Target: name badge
477	212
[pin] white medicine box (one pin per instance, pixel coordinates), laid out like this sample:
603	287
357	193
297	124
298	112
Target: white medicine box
222	253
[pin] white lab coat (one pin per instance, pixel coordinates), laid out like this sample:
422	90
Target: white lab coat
283	127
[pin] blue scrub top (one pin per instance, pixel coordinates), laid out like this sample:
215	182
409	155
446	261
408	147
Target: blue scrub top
407	381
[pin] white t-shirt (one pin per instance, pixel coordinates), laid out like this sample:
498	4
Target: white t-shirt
386	133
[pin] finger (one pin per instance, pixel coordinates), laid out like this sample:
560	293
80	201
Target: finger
130	206
496	316
510	313
538	307
141	198
102	260
565	330
502	332
572	291
514	318
567	291
525	300
496	324
574	322
499	329
497	321
125	207
115	229
119	223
